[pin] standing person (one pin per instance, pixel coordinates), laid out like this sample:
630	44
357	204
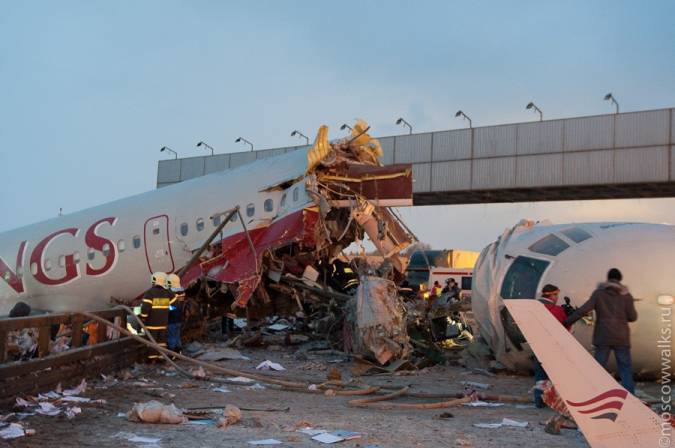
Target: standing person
549	297
436	290
614	309
452	289
155	311
175	313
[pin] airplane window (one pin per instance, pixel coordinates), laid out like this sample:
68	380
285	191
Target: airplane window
155	231
62	261
296	194
216	220
76	257
576	234
6	276
106	249
466	283
250	210
48	264
269	205
283	200
91	254
522	278
33	268
184	229
549	245
121	246
200	224
137	241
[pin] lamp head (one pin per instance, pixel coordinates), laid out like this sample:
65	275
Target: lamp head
343	127
163	148
200	144
238	140
608	96
399	121
459	113
294	133
530	105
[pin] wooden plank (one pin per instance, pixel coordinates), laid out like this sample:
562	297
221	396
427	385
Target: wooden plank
44	336
18	323
19	368
76	325
70	374
101	331
3	346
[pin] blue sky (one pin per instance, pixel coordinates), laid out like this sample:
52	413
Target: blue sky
90	90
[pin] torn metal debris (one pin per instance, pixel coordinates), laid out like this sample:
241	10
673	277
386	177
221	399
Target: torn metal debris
295	266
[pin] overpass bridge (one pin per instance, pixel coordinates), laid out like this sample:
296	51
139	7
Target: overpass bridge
626	155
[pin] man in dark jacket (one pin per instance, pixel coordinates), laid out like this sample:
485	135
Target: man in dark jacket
452	288
614	308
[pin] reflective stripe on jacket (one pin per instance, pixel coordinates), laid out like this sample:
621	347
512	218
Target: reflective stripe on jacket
155	308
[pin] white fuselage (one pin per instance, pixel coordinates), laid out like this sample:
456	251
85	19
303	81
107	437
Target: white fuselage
82	260
576	257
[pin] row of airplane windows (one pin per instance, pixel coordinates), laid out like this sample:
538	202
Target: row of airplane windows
91	255
268	206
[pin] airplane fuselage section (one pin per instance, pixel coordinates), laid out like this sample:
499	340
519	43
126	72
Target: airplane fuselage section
83	260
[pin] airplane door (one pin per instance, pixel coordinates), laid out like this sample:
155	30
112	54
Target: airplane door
157	248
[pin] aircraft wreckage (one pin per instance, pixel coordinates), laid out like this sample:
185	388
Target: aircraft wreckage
290	265
261	240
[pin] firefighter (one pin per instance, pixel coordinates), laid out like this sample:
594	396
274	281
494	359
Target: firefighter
155	311
175	313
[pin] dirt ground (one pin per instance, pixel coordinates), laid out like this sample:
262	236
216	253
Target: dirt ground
102	426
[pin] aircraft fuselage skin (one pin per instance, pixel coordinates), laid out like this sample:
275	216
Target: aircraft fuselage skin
576	258
82	260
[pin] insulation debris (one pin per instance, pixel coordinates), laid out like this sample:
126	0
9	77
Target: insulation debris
380	320
156	412
231	416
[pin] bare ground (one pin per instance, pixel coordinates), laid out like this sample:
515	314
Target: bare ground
101	426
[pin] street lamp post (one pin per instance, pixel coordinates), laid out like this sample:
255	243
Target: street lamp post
300	135
465	116
402	122
242	139
206	145
609	97
167	149
531	105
